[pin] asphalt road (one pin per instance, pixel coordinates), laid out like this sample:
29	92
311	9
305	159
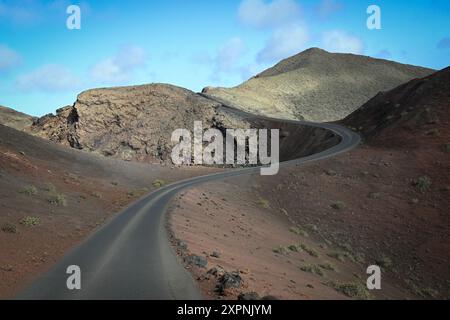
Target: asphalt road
131	257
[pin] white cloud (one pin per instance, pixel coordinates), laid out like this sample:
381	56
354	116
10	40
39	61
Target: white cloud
258	13
8	58
340	41
121	66
50	78
284	42
229	55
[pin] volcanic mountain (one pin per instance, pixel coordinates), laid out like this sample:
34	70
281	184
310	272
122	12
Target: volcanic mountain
316	85
132	123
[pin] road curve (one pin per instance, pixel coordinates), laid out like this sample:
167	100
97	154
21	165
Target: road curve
131	257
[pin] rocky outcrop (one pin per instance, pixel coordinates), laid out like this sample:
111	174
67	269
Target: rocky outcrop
132	123
316	85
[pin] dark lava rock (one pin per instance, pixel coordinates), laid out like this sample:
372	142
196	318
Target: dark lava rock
197	261
227	281
249	296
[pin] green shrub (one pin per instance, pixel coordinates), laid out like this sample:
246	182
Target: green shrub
58	200
50	188
327	266
423	184
337	255
158	183
338	205
351	289
9	228
30	221
263	203
138	192
310	251
445	147
299	231
384	262
281	250
312	268
29	190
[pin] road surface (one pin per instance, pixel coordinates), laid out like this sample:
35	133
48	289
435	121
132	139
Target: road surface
131	257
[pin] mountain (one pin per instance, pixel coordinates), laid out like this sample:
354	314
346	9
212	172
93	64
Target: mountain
316	85
14	119
132	123
406	116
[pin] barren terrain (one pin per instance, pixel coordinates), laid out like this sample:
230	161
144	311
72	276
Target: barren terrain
316	85
311	232
52	197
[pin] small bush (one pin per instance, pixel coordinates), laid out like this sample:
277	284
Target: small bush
310	251
351	289
281	250
29	190
96	194
384	262
423	184
445	147
338	205
138	192
50	188
337	255
158	183
312	268
327	266
58	200
263	203
30	221
312	227
299	231
9	228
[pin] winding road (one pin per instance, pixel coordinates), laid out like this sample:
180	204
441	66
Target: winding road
131	257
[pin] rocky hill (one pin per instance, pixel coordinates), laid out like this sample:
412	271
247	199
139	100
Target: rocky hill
413	111
14	119
317	85
132	123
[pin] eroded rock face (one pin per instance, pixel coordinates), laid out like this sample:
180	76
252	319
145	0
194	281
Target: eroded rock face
132	123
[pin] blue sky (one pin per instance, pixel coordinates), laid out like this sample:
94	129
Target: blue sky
196	43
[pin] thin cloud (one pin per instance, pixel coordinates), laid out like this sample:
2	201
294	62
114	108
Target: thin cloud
342	42
48	78
8	58
121	66
259	14
284	42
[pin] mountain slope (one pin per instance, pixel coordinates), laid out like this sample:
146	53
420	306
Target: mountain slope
132	123
14	119
411	112
317	85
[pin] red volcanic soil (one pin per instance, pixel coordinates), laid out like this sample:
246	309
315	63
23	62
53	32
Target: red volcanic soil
385	203
68	194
